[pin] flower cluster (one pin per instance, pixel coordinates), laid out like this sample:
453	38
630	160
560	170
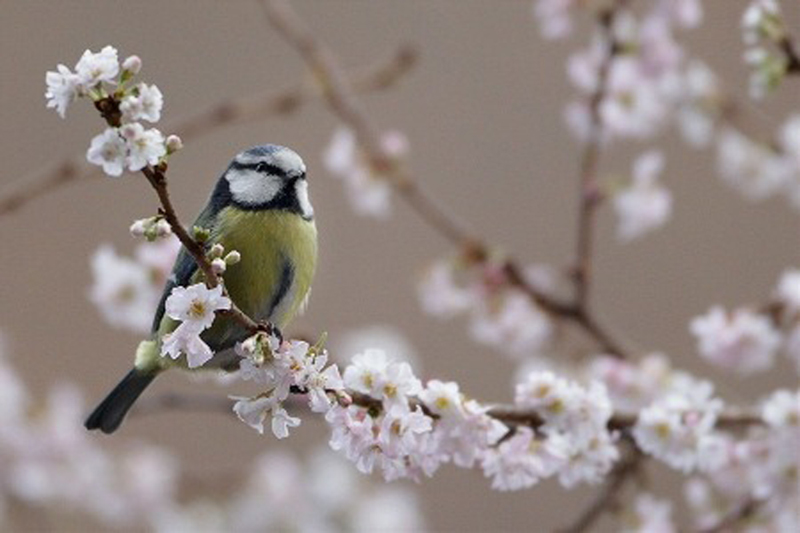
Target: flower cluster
51	464
280	369
501	315
744	341
760	468
763	30
761	170
679	428
640	73
127	290
573	441
100	77
645	204
403	429
369	188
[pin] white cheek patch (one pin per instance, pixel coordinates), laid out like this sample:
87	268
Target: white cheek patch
250	187
301	191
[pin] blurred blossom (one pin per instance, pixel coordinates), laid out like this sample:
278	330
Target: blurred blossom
755	170
788	290
127	291
122	291
384	337
554	17
645	205
501	315
701	99
369	191
742	341
648	515
762	32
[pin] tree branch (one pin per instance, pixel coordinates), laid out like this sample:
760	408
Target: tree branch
250	108
609	495
339	95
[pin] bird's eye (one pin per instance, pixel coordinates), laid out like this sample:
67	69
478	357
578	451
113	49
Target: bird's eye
265	168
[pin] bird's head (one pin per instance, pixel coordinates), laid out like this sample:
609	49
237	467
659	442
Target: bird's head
265	177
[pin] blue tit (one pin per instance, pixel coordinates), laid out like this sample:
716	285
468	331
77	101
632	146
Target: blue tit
259	207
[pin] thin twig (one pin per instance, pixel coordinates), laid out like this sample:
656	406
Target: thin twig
786	45
609	494
241	110
589	193
341	100
739	514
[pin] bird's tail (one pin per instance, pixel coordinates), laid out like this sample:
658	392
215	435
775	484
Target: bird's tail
109	414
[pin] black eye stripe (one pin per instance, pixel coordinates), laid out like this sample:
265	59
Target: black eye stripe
261	166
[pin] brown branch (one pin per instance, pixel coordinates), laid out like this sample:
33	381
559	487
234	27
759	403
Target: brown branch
339	95
739	514
156	176
241	110
730	420
786	45
589	192
609	495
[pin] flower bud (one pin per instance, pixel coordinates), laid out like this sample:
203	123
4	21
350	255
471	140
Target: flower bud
233	257
218	266
173	144
139	227
132	64
216	251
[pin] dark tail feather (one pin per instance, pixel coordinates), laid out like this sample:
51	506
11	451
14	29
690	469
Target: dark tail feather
109	414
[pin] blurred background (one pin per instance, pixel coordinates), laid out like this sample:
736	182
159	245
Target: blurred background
483	110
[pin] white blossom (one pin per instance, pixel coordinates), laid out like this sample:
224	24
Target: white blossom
521	461
788	290
755	170
62	89
782	410
743	341
144	103
109	151
185	340
645	205
678	428
94	68
649	515
368	191
123	290
145	147
554	17
196	304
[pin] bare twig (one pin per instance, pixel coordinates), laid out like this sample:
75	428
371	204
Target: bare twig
739	514
786	45
242	110
589	192
342	101
609	494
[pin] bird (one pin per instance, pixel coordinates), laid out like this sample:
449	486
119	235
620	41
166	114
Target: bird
259	207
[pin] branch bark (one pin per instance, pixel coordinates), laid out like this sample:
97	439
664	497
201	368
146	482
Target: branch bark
341	100
250	108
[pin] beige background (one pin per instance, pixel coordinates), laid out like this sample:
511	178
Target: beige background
483	112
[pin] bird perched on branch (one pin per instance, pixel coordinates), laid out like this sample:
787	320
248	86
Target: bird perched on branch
260	208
